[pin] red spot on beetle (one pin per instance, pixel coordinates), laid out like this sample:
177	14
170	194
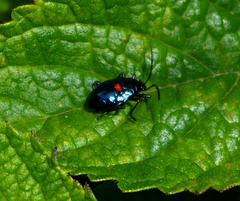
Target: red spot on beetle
118	87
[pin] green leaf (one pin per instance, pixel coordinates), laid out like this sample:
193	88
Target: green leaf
52	52
6	6
28	173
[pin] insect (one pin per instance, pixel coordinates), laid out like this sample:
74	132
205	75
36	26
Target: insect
112	95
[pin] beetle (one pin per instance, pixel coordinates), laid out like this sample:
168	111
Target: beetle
112	95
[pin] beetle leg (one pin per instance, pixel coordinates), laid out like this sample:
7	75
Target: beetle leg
101	115
95	84
121	75
137	96
143	96
122	106
154	85
133	98
132	110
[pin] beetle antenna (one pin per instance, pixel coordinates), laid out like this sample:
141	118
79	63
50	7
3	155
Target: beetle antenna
151	66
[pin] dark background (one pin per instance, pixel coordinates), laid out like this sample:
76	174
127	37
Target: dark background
108	190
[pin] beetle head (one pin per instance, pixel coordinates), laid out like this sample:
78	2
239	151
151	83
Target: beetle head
141	86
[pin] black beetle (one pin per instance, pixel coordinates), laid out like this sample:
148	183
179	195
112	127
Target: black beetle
112	94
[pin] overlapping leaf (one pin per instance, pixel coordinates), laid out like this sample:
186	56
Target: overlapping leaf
28	173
